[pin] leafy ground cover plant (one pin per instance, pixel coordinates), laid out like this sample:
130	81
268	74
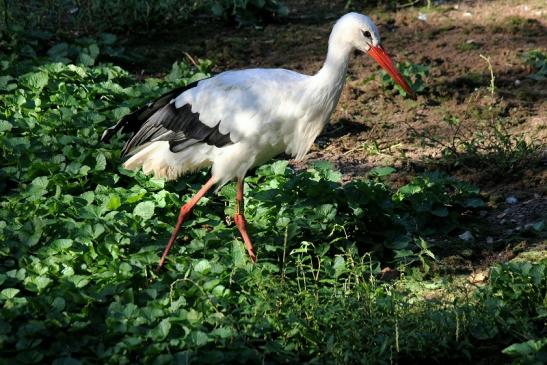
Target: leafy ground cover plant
538	60
415	73
482	137
483	142
80	235
134	15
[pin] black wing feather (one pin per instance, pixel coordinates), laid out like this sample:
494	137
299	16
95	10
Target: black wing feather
161	121
132	122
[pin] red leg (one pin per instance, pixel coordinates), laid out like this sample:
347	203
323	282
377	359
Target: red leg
185	210
239	219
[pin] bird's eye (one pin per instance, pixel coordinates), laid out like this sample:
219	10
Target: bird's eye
367	34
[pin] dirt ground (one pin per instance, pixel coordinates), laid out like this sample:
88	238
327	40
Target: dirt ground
373	127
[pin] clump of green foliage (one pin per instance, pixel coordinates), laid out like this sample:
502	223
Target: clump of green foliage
478	142
520	25
80	235
533	352
415	75
481	137
538	60
522	288
97	15
134	15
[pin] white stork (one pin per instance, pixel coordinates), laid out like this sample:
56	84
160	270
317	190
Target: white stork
236	120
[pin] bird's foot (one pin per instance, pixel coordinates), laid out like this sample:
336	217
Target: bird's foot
251	255
241	224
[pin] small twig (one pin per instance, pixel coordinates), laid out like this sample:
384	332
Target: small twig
380	149
408	4
353	149
285	239
191	59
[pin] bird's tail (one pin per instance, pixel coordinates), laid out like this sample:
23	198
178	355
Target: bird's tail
158	160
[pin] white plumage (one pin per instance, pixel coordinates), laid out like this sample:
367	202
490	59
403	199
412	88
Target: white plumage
265	112
240	119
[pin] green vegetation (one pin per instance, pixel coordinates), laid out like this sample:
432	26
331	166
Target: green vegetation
468	46
538	60
413	73
479	142
80	237
482	137
520	25
136	15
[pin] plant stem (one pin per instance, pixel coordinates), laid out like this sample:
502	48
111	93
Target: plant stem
492	78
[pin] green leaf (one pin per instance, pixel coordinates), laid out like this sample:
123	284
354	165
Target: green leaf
89	196
199	338
279	167
35	80
86	59
326	171
326	211
217	9
62	244
108	38
282	10
527	349
100	162
222	332
538	226
80	71
145	210
59	303
5	126
399	243
41	282
9	293
120	112
93	50
202	266
161	331
409	189
339	266
382	171
38	186
113	202
79	280
58	50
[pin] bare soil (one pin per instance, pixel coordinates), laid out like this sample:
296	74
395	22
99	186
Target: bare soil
374	127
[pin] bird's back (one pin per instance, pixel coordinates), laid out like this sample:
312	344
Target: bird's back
245	101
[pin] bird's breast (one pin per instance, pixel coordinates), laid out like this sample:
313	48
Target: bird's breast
305	129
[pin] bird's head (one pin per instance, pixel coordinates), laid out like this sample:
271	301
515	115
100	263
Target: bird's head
360	32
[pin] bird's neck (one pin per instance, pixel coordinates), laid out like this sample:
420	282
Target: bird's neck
320	96
332	75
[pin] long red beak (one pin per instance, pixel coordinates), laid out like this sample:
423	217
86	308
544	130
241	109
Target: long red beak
379	54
